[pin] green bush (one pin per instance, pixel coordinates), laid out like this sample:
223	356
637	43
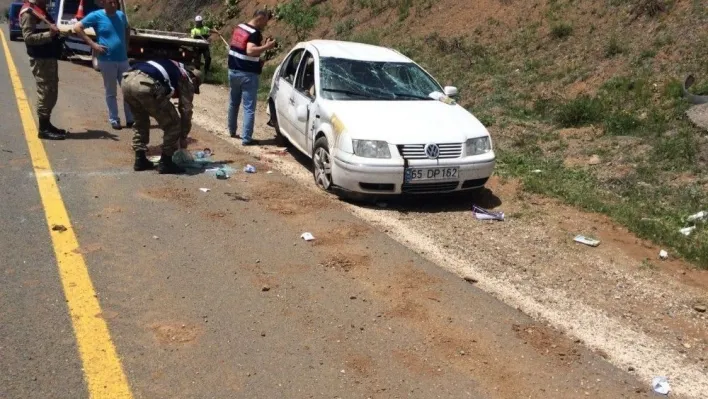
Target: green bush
300	16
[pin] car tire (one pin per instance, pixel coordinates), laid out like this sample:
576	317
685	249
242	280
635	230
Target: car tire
280	140
322	164
94	62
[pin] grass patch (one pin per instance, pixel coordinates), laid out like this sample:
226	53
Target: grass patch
653	212
613	47
561	30
581	111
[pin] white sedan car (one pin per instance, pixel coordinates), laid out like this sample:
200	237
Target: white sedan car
374	122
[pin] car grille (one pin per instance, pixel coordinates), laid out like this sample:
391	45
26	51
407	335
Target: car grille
417	151
420	188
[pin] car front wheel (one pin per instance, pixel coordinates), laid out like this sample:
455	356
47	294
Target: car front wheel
322	164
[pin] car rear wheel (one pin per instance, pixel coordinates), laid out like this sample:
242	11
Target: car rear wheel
322	164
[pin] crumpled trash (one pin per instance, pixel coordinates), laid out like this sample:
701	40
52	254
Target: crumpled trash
687	230
587	241
249	169
307	236
204	190
484	214
187	160
661	385
663	254
698	217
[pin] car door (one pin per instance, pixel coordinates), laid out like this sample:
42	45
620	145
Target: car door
303	95
284	92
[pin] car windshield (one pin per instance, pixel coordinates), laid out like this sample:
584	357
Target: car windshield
344	79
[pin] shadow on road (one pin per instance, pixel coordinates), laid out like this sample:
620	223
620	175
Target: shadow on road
93	135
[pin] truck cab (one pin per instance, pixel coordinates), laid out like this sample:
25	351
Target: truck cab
143	44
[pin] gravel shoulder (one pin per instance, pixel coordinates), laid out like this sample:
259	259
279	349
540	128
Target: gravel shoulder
619	299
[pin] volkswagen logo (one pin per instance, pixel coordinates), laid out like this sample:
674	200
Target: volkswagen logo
432	151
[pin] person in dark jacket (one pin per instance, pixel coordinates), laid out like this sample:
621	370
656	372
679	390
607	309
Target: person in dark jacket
148	88
44	47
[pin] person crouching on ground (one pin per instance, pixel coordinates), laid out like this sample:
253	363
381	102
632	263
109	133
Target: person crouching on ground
245	67
44	47
147	88
112	34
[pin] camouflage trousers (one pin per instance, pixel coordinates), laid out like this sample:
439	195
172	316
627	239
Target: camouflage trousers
46	75
140	92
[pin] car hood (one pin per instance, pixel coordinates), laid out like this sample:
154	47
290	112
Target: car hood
406	122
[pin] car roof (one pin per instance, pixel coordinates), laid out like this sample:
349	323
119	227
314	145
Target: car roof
356	51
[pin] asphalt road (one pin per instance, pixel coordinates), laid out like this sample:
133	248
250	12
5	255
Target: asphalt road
214	295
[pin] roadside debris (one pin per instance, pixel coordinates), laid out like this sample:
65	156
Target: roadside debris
587	241
537	171
270	172
687	230
471	280
484	214
265	288
307	236
700	308
663	255
698	217
204	190
249	169
58	227
661	385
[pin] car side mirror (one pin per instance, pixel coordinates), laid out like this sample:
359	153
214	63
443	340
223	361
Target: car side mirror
451	91
301	113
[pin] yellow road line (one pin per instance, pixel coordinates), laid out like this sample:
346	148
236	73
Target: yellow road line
102	368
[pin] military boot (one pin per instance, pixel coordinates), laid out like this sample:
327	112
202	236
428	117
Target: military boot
168	167
142	162
45	131
56	129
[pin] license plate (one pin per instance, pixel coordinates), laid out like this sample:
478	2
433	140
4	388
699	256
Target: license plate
423	174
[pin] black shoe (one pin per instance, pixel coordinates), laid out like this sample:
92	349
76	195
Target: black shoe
48	134
130	125
141	162
236	135
252	142
56	129
168	167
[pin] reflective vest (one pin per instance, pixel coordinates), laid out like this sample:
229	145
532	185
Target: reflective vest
201	33
239	59
166	72
52	49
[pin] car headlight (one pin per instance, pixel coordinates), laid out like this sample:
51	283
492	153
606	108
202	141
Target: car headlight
371	149
478	146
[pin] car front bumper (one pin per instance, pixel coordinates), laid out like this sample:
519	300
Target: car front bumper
387	176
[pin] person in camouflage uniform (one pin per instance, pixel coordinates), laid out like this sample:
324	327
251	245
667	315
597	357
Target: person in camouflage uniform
44	47
148	88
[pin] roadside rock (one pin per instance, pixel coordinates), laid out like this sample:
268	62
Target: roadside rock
700	308
594	160
699	115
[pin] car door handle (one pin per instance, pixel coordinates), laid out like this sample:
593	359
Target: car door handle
292	101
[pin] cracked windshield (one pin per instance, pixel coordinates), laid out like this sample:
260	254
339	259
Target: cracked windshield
344	79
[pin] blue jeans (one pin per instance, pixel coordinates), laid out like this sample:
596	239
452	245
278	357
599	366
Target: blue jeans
112	73
244	87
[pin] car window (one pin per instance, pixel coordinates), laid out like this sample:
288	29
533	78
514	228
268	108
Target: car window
345	79
290	66
306	75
